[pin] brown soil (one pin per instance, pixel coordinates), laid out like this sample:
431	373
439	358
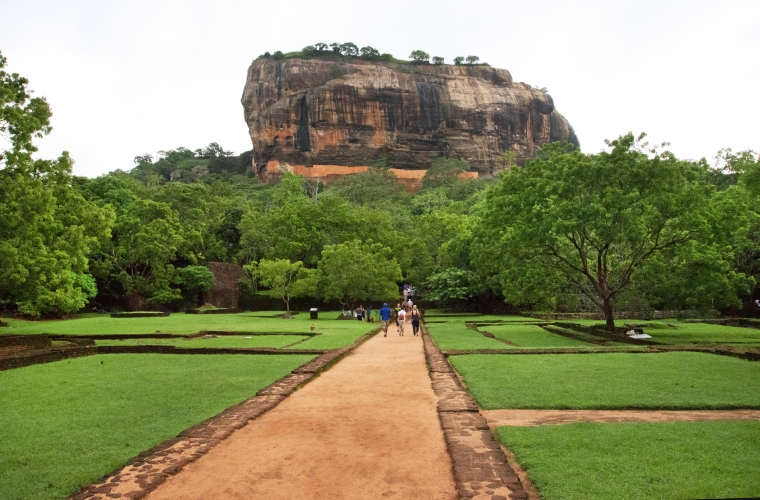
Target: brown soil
497	418
367	428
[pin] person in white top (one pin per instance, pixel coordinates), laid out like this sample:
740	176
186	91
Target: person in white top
401	321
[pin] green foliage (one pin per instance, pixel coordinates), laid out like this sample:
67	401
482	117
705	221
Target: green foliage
458	60
47	228
284	279
419	57
449	284
472	59
194	281
437	60
369	53
444	172
355	271
596	221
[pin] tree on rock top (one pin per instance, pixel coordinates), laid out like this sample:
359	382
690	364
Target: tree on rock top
419	57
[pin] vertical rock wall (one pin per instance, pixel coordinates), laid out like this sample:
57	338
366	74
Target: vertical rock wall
314	111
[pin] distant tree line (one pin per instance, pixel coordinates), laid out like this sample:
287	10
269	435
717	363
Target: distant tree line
367	53
630	228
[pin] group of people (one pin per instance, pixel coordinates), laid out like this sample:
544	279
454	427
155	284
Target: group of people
402	313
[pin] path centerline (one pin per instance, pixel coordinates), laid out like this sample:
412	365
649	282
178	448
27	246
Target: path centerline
367	428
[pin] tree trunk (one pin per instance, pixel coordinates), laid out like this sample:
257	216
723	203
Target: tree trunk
287	304
609	320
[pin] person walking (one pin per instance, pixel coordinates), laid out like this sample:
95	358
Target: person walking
395	312
415	320
369	314
360	313
385	317
401	321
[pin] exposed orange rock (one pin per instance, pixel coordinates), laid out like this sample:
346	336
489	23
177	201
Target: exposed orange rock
328	174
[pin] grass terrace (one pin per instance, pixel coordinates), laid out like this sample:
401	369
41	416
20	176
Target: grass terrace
676	380
334	333
66	424
627	461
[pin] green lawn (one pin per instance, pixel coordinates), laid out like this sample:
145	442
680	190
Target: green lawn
275	341
66	424
456	336
626	461
701	333
677	380
335	333
531	336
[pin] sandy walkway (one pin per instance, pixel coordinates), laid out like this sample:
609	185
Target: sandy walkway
367	428
498	418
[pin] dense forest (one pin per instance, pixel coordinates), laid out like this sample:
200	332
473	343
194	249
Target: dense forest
630	228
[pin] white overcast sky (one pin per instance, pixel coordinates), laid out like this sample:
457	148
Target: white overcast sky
136	76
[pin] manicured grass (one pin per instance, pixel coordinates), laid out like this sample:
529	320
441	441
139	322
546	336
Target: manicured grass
531	336
335	333
276	341
701	333
672	331
675	460
456	336
675	380
67	423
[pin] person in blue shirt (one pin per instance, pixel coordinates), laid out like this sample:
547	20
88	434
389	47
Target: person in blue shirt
385	316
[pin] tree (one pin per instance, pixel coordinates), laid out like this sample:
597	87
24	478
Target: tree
419	57
458	60
369	53
444	172
349	49
472	59
592	221
47	228
309	50
449	284
194	281
146	238
354	271
437	60
336	48
284	279
320	47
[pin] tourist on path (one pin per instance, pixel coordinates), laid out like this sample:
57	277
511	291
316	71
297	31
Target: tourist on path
395	313
401	321
415	320
385	317
360	313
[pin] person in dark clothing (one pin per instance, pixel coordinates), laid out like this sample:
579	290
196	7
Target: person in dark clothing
415	320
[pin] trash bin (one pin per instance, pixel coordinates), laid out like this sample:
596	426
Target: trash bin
313	313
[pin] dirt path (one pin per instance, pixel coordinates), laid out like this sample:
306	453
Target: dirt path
367	428
498	418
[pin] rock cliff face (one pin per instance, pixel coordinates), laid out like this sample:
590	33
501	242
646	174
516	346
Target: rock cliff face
305	112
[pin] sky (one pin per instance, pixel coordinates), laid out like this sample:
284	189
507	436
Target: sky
140	76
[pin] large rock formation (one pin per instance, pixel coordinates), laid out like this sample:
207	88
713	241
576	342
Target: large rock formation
306	112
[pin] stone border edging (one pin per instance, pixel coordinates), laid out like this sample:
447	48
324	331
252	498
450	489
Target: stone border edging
481	471
152	467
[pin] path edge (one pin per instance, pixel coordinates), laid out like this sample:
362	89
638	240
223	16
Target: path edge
145	472
480	466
